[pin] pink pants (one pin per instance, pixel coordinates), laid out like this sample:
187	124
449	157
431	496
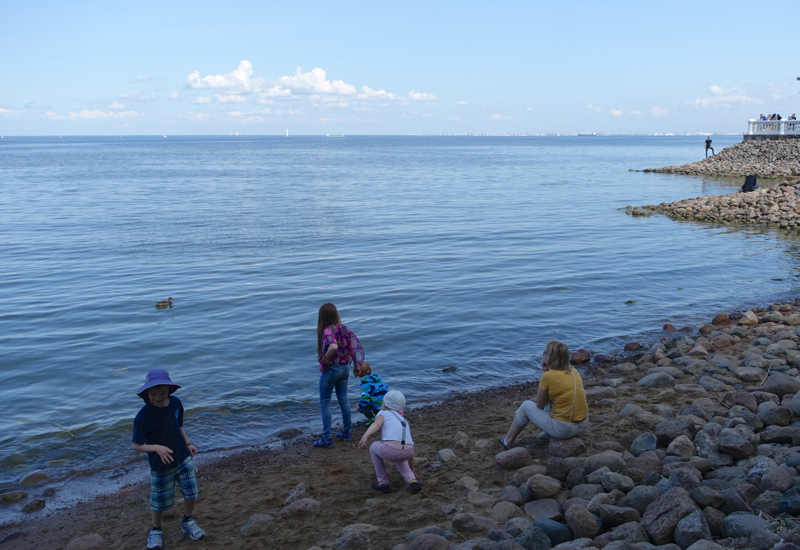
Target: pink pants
381	450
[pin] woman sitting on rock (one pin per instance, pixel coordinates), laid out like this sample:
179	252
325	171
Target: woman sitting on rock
560	409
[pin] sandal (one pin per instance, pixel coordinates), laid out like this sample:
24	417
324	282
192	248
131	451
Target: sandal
323	443
382	488
347	436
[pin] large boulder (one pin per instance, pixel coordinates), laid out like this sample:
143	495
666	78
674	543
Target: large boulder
544	508
663	514
543	486
643	443
641	496
513	459
617	515
631	532
781	384
565	448
690	529
582	522
611	460
753	528
671	429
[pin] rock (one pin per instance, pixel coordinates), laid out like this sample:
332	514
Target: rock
623	368
641	496
516	526
565	448
254	521
298	505
643	443
663	514
682	447
790	501
611	460
447	455
733	502
783	434
579	357
755	529
689	388
705	545
88	542
471	523
587	491
617	515
351	540
779	480
416	533
671	429
33	478
712	385
513	459
736	446
295	494
429	542
691	529
559	468
796	403
656	380
687	478
504	511
600	392
777	416
613	480
576	476
599	500
556	532
609	446
466	485
769	503
544	486
33	506
545	508
511	494
630	410
706	496
748	319
7	498
481	500
534	539
714	518
631	532
721	319
582	522
669	328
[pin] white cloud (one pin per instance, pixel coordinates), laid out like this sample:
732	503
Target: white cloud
369	93
782	91
141	79
249	116
138	96
637	112
90	115
615	112
420	96
595	109
658	111
195	117
287	112
498	116
230	98
174	95
116	105
529	109
454	118
201	99
724	98
461	103
238	79
7	112
314	82
28	104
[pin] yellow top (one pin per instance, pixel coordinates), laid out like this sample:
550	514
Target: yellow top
560	385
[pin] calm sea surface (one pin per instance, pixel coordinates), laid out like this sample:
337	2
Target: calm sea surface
440	252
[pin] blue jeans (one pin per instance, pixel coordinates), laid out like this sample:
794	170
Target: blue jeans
334	377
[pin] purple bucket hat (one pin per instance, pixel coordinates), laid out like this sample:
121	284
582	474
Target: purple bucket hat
156	377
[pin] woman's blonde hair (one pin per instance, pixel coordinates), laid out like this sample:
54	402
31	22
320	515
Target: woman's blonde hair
557	355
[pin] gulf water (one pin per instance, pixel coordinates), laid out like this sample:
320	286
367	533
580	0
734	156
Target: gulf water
440	252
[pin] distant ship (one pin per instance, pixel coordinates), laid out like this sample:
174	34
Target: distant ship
588	134
287	132
332	135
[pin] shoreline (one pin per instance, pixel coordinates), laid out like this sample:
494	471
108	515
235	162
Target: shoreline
237	486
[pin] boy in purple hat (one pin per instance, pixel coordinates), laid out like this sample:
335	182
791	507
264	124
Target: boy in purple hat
158	431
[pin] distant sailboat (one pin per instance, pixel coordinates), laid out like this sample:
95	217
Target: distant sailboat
287	132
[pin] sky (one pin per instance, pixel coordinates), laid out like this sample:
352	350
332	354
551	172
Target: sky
260	68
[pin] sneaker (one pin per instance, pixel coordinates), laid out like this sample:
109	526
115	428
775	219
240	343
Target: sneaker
324	443
415	486
382	488
347	436
192	529
370	421
544	436
155	539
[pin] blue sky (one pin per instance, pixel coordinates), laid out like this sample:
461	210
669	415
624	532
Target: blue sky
402	68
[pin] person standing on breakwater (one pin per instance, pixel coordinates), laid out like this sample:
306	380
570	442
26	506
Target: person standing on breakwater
337	349
709	144
560	409
158	431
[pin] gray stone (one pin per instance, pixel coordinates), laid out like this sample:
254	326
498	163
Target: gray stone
545	508
565	448
617	515
768	502
611	460
620	545
472	523
586	492
663	514
582	522
511	494
781	384
707	439
556	532
705	545
641	496
594	477
429	530
295	494
782	434
87	542
504	511
643	443
776	416
447	455
755	529
516	526
631	532
254	521
790	501
559	468
777	479
429	542
599	500
796	402
656	380
544	486
706	496
712	385
630	410
534	539
670	429
577	476
687	478
613	480
511	459
714	518
521	476
733	502
681	447
690	529
736	446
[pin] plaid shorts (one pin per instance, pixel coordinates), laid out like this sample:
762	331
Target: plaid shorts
162	485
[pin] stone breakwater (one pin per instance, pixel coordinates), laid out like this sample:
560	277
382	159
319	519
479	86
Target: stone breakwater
776	206
768	159
706	453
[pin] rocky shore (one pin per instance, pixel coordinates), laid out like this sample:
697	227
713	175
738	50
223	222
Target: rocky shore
694	444
776	206
767	159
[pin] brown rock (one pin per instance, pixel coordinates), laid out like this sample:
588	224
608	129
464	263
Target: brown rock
632	346
663	514
565	448
669	327
504	511
579	357
721	319
748	319
33	506
7	498
513	459
544	486
33	478
299	505
582	522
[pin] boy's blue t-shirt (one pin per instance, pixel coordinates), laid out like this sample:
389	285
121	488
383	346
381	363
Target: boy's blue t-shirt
161	426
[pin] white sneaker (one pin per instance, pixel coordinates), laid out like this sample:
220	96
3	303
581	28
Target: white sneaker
155	539
192	529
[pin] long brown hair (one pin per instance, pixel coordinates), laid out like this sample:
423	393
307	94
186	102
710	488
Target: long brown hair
557	356
328	315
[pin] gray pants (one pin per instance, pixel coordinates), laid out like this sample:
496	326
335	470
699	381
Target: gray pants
529	412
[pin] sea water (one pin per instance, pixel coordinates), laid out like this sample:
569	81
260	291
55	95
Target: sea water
454	259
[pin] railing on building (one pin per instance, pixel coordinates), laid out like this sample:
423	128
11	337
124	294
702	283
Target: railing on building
773	127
